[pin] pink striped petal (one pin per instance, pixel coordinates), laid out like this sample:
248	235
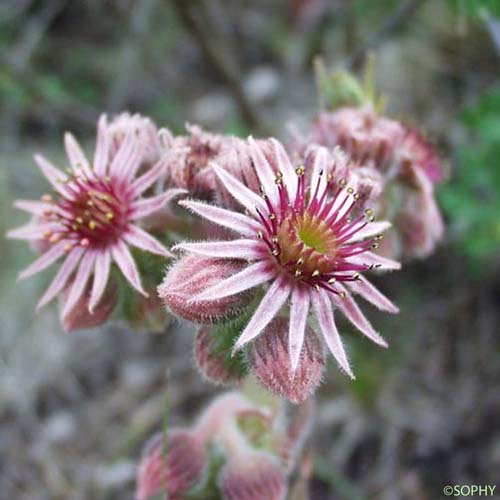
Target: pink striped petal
45	260
226	218
264	171
353	313
30	231
123	258
299	311
148	206
102	147
271	303
324	314
34	207
133	162
126	151
77	158
239	191
234	249
140	239
53	175
250	277
147	179
101	275
62	276
366	289
286	168
371	259
370	230
80	282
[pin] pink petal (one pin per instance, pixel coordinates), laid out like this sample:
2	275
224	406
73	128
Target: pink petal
53	175
126	158
353	313
34	207
376	261
272	302
140	239
30	231
370	230
102	147
286	167
80	282
45	260
299	311
250	277
264	171
239	191
77	159
123	258
324	314
234	249
226	218
62	276
364	288
320	170
147	179
101	275
148	206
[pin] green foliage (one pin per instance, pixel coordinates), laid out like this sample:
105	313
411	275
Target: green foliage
472	200
476	8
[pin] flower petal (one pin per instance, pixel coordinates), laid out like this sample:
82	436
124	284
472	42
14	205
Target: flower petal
271	303
123	258
80	282
140	239
226	218
34	207
77	159
234	249
101	275
147	179
372	260
286	168
102	147
370	230
53	175
366	289
299	311
62	276
264	171
45	260
251	276
320	171
239	191
148	206
324	313
30	231
126	154
352	312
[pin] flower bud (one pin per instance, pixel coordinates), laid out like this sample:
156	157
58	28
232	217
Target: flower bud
252	476
216	364
187	160
79	317
191	275
184	467
270	359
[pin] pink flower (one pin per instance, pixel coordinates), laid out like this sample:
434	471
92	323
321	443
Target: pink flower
124	125
299	239
187	159
93	217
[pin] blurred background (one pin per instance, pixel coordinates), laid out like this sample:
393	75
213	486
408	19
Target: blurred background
76	408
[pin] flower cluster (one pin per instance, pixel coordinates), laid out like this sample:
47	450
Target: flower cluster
398	164
237	448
